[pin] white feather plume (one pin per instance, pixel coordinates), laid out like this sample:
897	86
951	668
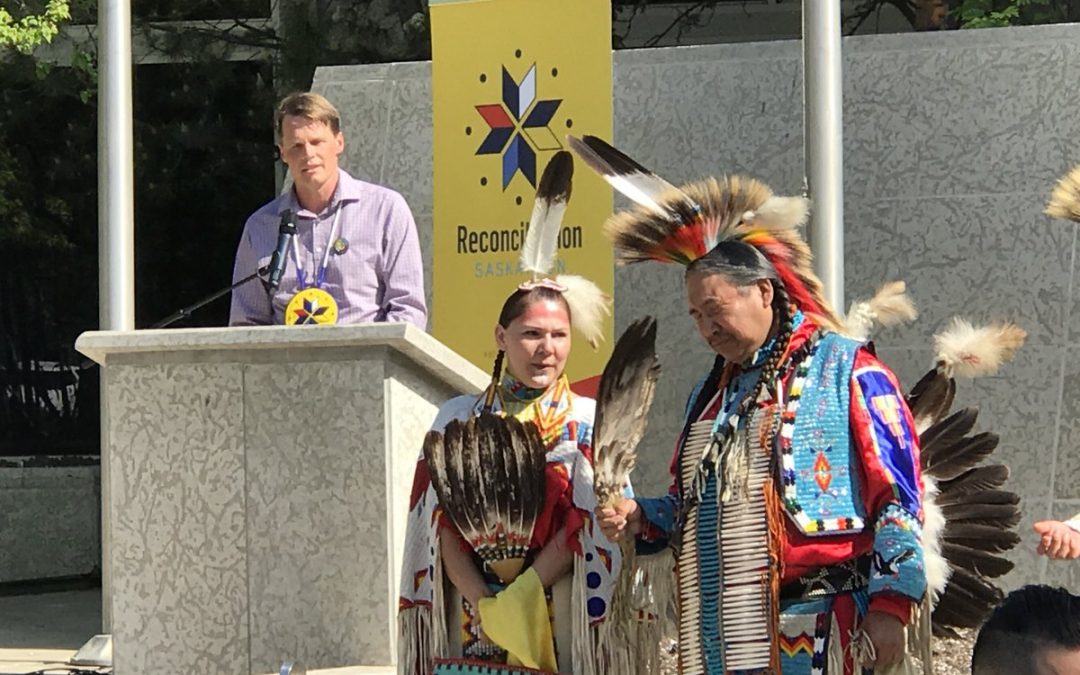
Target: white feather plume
890	306
937	567
552	196
780	213
588	306
968	351
542	241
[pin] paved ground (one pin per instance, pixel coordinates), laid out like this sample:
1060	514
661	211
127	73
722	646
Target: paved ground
64	620
36	630
45	628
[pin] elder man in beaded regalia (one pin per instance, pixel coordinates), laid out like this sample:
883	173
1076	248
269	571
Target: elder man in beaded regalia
796	507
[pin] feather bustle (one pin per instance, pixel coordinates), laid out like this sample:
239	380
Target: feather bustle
979	479
890	306
931	399
1065	200
969	351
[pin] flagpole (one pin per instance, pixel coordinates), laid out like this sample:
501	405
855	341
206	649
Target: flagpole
116	229
823	141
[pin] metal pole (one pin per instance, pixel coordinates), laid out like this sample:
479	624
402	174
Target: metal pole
116	229
824	141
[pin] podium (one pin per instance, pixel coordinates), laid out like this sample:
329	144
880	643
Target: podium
255	487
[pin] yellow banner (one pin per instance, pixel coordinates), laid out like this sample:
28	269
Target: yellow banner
510	79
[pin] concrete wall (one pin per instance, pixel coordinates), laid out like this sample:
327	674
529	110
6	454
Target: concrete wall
50	520
952	143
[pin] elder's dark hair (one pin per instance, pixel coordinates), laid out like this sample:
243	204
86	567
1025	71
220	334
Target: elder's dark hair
741	264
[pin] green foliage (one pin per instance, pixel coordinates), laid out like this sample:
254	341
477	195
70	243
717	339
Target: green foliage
29	29
994	14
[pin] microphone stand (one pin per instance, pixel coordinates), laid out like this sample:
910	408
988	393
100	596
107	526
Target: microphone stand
187	311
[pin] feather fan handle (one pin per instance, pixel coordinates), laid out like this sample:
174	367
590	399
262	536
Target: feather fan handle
624	174
588	306
1065	200
625	395
890	306
553	195
969	351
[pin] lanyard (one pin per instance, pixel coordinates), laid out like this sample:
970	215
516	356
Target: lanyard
320	276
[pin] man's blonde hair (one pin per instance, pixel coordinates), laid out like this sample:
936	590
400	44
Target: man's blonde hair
306	104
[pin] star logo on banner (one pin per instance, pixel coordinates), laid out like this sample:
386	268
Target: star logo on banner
519	126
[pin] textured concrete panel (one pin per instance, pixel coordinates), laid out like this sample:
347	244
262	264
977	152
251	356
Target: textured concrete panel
364	107
407	165
50	522
983	258
315	475
178	532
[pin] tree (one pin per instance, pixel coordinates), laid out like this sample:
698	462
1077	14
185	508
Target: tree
204	156
950	14
27	29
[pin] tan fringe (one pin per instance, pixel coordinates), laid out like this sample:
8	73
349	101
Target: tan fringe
414	641
920	634
439	636
774	512
862	650
582	650
654	597
835	657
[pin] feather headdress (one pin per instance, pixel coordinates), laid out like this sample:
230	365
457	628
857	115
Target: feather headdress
488	473
682	224
588	304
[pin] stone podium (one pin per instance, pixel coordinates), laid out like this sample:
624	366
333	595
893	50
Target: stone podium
255	485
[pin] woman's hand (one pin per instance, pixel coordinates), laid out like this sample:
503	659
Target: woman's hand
614	522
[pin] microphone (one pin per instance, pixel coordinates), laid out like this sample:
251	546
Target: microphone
286	232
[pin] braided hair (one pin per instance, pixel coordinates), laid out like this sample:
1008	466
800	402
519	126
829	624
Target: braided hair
784	314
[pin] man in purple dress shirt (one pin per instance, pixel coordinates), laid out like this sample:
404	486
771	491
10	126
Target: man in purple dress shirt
355	240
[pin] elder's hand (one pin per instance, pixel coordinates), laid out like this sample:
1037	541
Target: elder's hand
614	522
887	634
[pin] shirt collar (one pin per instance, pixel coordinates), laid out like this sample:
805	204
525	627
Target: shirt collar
348	190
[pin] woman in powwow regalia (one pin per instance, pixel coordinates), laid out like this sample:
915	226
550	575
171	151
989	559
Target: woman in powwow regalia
455	613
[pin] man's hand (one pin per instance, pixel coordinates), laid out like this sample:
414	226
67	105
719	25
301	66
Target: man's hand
1058	540
616	521
887	634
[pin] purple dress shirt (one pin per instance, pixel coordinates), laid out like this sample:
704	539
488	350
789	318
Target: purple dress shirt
378	277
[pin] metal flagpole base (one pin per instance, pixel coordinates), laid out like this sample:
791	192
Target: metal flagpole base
96	652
